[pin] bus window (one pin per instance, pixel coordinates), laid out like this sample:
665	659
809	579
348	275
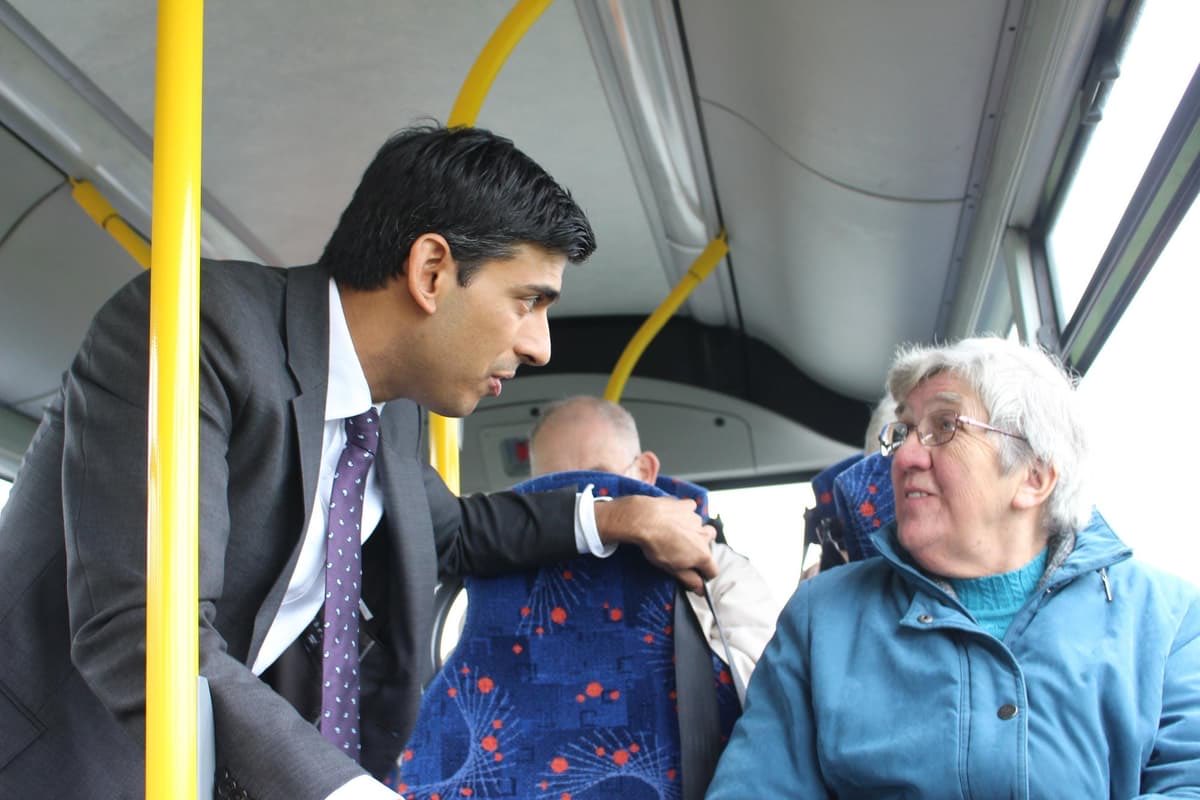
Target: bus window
1141	433
1155	71
766	525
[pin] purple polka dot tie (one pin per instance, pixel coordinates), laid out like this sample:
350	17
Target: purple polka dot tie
343	576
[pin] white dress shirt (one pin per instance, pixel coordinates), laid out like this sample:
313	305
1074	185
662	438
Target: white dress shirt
346	395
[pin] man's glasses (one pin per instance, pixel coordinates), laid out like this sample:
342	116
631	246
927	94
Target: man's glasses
933	431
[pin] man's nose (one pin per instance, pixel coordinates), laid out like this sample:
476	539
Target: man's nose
533	346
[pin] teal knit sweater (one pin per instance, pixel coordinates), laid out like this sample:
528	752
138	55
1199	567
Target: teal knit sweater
995	599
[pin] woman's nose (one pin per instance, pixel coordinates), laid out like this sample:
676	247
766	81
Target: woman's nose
911	454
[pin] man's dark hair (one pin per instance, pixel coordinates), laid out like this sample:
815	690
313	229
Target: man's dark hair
471	186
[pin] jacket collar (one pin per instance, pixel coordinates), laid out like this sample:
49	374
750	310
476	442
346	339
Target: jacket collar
1096	546
307	320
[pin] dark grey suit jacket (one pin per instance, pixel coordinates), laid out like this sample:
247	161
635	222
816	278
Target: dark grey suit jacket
73	549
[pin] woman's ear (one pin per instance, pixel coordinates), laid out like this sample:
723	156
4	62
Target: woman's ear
1035	488
428	269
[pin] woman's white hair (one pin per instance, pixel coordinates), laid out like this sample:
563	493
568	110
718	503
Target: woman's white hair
1025	391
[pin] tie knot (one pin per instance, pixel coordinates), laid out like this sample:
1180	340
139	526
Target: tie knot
362	431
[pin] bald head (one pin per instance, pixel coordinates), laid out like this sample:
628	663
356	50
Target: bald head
589	433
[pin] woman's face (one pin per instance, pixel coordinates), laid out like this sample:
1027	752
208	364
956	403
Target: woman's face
954	509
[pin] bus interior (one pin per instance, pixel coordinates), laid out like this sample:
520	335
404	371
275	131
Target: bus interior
884	173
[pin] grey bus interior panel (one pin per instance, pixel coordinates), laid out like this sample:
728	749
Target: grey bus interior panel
696	433
56	269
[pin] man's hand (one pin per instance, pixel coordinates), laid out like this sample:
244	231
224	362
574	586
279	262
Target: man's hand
669	532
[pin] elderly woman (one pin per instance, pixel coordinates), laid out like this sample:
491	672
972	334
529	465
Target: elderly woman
1004	644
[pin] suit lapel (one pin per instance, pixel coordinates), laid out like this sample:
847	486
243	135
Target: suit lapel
308	359
306	313
408	525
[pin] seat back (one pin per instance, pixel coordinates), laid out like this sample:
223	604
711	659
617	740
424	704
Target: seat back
821	523
864	503
854	499
563	681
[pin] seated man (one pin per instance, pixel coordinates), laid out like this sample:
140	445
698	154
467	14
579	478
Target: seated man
589	433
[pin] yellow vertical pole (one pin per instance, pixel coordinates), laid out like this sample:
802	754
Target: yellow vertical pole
443	432
172	581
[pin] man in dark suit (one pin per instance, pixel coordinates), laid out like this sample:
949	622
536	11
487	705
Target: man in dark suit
432	291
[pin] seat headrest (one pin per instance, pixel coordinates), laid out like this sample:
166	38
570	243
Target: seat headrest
865	503
824	513
607	484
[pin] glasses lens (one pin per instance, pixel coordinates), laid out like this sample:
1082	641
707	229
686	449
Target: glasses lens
939	428
892	436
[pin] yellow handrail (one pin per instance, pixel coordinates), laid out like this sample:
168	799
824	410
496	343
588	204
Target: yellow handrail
103	214
172	579
443	432
700	269
487	66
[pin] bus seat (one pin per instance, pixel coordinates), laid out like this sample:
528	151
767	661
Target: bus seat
821	523
563	682
864	503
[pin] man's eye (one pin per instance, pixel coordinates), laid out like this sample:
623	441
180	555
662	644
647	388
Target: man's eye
944	423
531	302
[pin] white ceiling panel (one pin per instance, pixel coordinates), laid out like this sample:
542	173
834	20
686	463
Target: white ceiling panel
298	96
807	73
27	178
56	270
878	266
573	136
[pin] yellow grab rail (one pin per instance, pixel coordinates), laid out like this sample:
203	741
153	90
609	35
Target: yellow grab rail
172	580
443	432
701	268
491	59
103	214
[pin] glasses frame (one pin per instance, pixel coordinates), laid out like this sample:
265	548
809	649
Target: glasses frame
887	449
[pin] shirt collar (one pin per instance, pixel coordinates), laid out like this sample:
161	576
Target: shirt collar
347	392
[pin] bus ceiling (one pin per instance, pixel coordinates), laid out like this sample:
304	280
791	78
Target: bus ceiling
880	170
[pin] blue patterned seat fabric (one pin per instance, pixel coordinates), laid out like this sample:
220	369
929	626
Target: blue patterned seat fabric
562	684
821	523
854	498
862	495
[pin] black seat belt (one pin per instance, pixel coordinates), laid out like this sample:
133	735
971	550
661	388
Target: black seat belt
696	700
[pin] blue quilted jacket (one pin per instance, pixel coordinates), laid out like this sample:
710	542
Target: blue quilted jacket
879	684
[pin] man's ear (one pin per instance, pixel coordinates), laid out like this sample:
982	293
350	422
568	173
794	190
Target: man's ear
1035	488
428	270
646	466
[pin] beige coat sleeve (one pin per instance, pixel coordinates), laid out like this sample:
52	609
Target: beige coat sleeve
746	607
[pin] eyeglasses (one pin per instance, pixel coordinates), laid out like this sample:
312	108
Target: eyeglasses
933	431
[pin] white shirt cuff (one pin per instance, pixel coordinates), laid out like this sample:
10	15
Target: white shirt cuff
364	787
587	535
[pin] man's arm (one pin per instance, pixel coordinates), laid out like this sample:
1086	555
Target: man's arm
669	532
501	532
490	534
